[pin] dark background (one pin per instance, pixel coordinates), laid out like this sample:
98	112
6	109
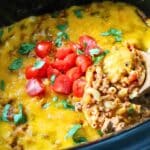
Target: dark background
13	10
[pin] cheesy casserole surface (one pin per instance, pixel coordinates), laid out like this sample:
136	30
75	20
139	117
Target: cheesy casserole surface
59	117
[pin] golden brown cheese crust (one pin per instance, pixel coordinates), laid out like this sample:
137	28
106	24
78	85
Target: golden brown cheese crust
46	128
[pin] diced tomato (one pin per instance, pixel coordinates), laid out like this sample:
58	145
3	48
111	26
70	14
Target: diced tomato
66	64
43	71
47	60
78	87
62	52
60	65
35	87
75	46
62	84
51	71
74	73
31	72
71	59
87	43
83	62
132	77
43	48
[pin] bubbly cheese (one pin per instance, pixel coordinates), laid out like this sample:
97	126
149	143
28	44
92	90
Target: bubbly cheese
118	62
48	127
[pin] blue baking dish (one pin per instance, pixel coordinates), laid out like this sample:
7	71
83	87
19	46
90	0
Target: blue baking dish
135	138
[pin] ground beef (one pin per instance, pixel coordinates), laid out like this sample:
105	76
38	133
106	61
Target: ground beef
106	105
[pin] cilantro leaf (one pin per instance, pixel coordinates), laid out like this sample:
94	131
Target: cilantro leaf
106	52
26	48
78	139
94	51
60	37
46	105
79	52
63	35
52	79
16	64
62	27
58	41
55	98
131	110
97	59
67	105
106	33
2	85
117	34
5	111
39	64
118	38
100	132
73	130
20	117
78	13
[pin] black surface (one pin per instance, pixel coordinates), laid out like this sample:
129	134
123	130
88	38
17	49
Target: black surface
13	10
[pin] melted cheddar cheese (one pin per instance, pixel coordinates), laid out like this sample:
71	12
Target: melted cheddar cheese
46	128
120	60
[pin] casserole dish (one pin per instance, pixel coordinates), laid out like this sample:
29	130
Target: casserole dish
24	11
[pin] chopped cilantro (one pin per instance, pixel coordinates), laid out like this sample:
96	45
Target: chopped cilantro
78	13
16	64
20	117
60	37
105	33
55	99
73	130
100	132
118	38
52	79
26	48
39	64
79	52
97	59
117	34
2	85
5	112
94	51
131	110
113	32
106	52
63	35
62	27
67	105
78	139
58	41
46	105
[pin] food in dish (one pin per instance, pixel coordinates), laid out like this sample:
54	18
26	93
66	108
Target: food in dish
68	77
